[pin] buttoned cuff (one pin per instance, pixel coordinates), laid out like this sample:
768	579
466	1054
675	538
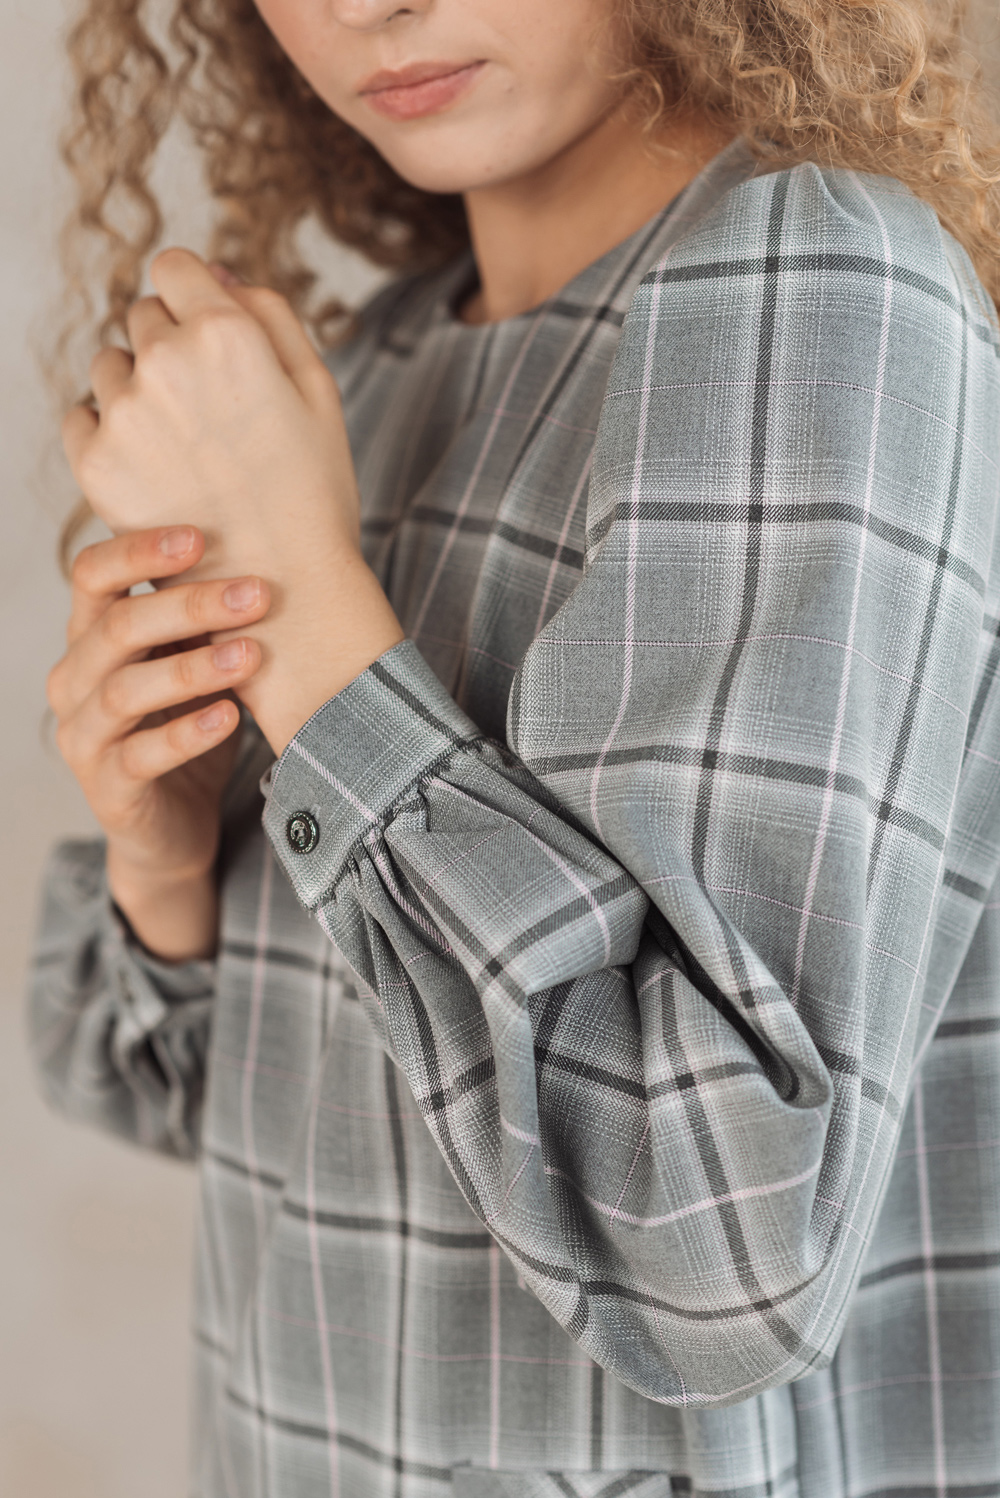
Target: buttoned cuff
346	770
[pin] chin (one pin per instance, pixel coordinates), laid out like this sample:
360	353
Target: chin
448	161
438	178
433	173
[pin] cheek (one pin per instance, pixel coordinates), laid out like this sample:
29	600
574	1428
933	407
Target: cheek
280	17
560	46
308	34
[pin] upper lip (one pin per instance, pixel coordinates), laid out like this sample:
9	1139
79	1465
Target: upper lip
417	72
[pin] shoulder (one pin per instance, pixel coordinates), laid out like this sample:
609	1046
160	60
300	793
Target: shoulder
806	207
816	333
806	287
809	237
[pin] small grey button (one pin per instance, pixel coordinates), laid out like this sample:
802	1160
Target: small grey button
302	831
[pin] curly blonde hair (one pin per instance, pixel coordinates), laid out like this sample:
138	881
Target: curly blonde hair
884	86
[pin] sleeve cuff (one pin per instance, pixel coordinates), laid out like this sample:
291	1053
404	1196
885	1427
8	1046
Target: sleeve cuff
163	984
76	883
348	767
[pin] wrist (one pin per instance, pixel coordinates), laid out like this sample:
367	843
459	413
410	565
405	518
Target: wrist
173	914
320	639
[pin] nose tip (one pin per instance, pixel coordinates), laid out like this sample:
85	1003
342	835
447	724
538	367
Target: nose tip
368	15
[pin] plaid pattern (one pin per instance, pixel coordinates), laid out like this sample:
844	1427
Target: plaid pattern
627	1120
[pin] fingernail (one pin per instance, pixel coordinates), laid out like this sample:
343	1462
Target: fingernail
213	717
177	543
225	276
243	595
230	656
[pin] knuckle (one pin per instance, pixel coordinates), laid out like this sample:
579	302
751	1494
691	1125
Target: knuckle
143	304
99	361
223	335
173	254
267	298
218	325
113	695
83	573
90	467
176	734
139	547
197	608
131	757
154	364
69	426
117	625
54	685
184	669
117	411
68	742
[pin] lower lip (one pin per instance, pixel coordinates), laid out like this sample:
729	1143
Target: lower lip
417	99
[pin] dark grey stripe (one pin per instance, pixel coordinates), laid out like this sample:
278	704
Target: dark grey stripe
712	512
349	1222
986	688
810	262
342	1439
964	886
935	1264
909	714
597	1417
954	1027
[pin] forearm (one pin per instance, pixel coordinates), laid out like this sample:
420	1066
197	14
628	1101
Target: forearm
177	919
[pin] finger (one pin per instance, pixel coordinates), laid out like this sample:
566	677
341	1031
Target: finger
186	286
151	752
132	626
224	275
110	373
147	320
78	427
122	700
108	569
288	337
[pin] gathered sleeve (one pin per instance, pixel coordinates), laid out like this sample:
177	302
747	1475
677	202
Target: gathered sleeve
119	1037
656	968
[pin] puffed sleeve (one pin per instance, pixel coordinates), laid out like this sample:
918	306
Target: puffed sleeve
119	1038
658	967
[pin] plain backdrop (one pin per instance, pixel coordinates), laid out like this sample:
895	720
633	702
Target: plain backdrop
95	1238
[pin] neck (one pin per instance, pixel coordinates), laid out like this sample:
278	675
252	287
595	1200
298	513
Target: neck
533	235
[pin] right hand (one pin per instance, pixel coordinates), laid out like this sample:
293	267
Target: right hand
145	726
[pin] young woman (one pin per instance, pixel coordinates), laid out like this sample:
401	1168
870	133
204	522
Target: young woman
593	1060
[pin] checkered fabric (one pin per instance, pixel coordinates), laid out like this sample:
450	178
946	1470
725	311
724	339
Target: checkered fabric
606	1099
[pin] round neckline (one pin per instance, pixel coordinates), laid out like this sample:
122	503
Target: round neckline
462	278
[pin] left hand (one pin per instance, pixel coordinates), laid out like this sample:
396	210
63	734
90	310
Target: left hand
224	417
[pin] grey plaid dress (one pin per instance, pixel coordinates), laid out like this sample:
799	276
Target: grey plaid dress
597	1090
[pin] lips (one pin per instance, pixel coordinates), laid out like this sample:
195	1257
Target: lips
421	89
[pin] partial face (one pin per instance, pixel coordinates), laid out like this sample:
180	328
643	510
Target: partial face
456	94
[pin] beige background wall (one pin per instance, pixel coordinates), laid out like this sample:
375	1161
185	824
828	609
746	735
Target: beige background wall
95	1240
